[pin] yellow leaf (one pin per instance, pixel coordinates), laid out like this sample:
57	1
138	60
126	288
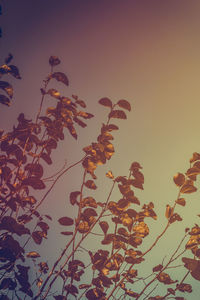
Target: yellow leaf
109	174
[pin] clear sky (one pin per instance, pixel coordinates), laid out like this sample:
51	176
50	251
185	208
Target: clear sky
144	51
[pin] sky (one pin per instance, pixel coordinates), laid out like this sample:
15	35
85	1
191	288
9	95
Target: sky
146	52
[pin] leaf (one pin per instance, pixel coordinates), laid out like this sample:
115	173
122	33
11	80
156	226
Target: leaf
54	61
37	237
157	268
175	217
59	76
72	131
188	189
193	171
168	211
66	221
165	278
171	291
4	69
141	229
44	226
131	294
72	289
79	122
124	104
8	58
80	102
90	184
134	166
184	287
88	201
119	114
54	93
84	286
104	226
192	265
33	254
195	157
179	179
7	88
88	212
137	183
73	197
83	227
85	115
34	169
10	224
34	182
181	201
46	158
108	239
14	71
67	232
4	100
109	174
105	102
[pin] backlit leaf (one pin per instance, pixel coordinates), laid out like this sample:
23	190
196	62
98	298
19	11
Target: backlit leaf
119	114
124	104
85	115
168	211
193	171
90	184
4	69
181	201
7	88
72	131
141	229
54	93
84	286
105	102
195	157
14	71
83	227
66	221
88	201
4	100
188	189
59	76
109	174
165	278
33	254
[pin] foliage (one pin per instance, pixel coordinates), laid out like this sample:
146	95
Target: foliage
114	270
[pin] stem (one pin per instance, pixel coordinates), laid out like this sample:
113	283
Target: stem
77	246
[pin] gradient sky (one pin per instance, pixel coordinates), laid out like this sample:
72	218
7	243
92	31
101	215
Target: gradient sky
144	51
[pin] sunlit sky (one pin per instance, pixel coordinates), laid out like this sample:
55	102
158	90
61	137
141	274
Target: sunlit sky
146	52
